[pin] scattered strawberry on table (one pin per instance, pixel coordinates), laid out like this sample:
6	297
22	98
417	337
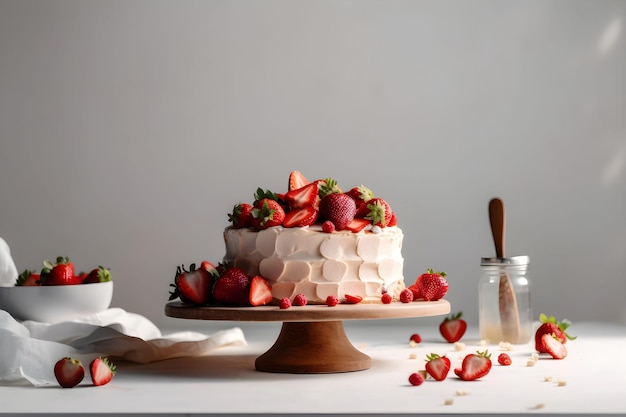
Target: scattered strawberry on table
453	327
101	370
437	366
550	325
474	366
62	272
70	372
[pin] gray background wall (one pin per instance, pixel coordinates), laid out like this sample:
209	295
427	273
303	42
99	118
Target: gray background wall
128	130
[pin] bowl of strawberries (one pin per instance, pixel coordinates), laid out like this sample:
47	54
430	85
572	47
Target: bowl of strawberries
57	293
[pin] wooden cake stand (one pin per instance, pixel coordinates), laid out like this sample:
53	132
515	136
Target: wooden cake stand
312	338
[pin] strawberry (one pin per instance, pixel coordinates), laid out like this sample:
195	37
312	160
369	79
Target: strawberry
417	295
432	285
353	299
297	180
416	379
551	344
551	326
386	298
99	274
59	273
232	287
332	300
207	266
474	366
415	338
192	286
241	215
356	225
504	359
102	371
379	212
338	208
27	278
360	195
260	291
406	296
393	221
453	328
267	213
284	303
327	186
328	227
303	197
69	372
300	217
300	300
437	366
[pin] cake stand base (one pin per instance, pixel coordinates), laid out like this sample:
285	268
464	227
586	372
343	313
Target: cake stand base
312	348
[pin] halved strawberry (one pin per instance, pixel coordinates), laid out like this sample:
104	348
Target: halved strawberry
453	327
437	366
101	370
353	299
356	225
303	197
474	366
192	286
552	345
69	372
300	217
260	291
297	180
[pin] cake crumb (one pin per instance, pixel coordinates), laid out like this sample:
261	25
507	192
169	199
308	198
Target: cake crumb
531	362
448	401
505	346
423	373
459	346
561	383
535	356
461	392
362	346
413	356
539	406
547	379
483	343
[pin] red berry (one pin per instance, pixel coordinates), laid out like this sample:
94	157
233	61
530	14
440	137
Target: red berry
504	359
284	303
416	379
416	338
299	300
386	298
406	296
328	226
332	300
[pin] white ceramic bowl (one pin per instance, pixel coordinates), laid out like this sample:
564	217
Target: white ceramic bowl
56	303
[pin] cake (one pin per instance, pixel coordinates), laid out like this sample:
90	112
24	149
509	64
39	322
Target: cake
318	241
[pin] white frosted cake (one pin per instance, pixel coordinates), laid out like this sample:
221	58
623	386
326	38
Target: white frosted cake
306	260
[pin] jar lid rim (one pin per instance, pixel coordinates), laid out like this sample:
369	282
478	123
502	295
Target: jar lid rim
495	261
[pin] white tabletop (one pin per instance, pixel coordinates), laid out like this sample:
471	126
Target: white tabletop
589	380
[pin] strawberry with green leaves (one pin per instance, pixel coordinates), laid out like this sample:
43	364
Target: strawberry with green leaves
59	273
241	215
192	286
551	344
549	325
474	366
101	370
99	274
432	285
437	366
267	211
379	212
27	278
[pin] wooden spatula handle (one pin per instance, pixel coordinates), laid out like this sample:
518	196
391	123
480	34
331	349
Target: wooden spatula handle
498	225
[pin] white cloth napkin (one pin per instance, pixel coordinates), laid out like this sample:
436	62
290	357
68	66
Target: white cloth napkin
29	350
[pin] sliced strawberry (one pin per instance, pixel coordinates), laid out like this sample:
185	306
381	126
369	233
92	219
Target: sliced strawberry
69	372
474	366
437	366
297	180
300	217
192	286
453	328
260	291
549	325
353	299
356	225
101	370
303	197
552	345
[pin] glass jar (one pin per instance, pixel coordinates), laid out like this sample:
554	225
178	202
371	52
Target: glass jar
504	311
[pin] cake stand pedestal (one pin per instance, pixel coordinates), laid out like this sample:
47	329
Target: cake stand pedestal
312	339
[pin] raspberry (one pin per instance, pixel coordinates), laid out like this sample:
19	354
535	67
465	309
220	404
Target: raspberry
284	303
386	298
332	300
406	296
299	300
328	226
416	379
416	338
504	359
